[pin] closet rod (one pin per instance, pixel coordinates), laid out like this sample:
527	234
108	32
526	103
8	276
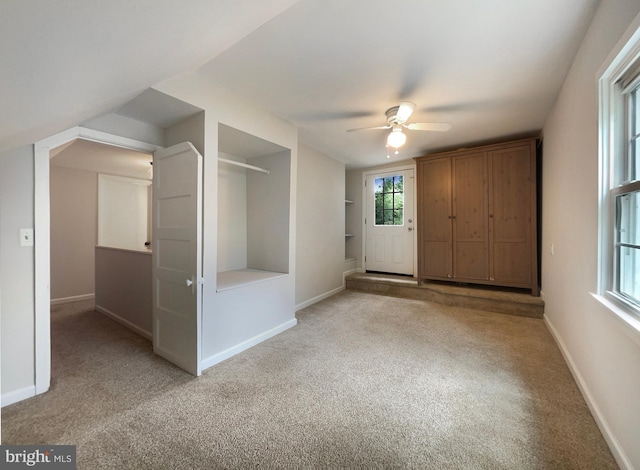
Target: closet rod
244	165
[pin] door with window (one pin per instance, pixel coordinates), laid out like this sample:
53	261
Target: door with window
389	222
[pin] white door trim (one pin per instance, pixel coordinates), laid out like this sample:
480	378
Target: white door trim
367	173
42	229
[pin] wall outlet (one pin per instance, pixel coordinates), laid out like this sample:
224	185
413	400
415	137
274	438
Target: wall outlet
26	237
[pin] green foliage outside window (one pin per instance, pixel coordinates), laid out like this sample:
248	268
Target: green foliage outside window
389	197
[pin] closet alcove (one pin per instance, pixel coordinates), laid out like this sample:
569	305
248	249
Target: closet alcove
254	178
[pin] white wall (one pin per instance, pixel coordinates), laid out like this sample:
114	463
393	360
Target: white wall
127	127
123	212
604	355
268	213
16	274
188	130
232	215
320	229
123	287
74	223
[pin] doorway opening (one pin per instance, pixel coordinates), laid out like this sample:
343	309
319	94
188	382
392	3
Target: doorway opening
152	116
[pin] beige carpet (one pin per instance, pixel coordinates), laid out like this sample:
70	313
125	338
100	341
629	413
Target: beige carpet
362	381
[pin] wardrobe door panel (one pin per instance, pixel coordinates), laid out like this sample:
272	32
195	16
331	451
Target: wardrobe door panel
435	218
470	210
511	195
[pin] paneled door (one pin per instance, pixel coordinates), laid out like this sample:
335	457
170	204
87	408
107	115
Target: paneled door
469	217
389	222
177	255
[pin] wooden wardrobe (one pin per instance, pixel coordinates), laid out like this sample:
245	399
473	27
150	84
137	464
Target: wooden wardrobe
477	211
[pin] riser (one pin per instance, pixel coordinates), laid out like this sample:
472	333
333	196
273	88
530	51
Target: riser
528	307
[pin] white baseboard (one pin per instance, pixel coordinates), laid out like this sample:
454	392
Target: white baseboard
616	449
232	351
75	298
10	398
320	297
124	322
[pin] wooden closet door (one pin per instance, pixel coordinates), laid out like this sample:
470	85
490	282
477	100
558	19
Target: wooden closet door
434	205
470	214
511	198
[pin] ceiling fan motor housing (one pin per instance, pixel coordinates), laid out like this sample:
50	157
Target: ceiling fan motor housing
392	114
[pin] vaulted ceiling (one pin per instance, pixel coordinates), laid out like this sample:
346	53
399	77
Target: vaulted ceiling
492	69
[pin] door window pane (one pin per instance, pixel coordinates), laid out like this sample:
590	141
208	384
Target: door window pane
389	200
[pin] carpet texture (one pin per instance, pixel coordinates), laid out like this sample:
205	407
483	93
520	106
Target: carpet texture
362	381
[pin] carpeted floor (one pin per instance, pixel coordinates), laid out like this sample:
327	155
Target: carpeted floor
362	381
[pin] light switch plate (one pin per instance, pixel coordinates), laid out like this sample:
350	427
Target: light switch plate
26	237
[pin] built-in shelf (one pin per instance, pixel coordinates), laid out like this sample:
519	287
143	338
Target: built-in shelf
348	236
243	277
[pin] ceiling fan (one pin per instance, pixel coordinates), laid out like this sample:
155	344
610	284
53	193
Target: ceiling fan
397	117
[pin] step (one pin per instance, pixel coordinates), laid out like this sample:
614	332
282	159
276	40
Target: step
486	298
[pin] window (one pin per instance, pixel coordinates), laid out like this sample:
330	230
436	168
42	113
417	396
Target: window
620	179
389	194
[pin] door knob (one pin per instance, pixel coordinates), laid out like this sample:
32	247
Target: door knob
410	229
189	282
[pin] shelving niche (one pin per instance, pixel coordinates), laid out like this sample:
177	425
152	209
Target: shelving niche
253	209
348	257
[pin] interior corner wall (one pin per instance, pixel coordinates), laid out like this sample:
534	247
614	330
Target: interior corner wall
17	274
189	130
268	213
603	355
74	231
353	220
232	215
320	227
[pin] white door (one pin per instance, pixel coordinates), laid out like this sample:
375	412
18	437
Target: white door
389	222
177	255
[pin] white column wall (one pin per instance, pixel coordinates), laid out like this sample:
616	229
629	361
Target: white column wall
16	275
236	319
321	225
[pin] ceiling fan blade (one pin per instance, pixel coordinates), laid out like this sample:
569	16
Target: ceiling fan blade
368	128
429	126
405	110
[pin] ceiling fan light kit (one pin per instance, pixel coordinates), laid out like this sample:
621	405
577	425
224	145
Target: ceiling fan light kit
396	138
397	116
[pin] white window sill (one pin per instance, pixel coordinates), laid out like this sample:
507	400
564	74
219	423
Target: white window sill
628	322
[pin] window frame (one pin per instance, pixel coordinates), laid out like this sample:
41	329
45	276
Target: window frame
617	82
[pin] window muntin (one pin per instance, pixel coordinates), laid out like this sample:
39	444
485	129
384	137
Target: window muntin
389	200
627	246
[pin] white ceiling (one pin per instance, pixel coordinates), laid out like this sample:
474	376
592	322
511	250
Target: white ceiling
492	69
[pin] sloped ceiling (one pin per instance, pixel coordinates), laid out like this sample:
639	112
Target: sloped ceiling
492	69
66	61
